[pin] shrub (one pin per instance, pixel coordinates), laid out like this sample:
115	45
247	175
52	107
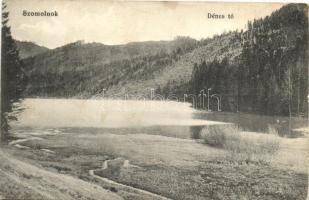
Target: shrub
195	132
219	135
242	146
214	136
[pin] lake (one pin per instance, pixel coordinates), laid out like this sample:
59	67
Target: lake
127	116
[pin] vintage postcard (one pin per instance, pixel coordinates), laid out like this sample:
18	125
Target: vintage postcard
154	100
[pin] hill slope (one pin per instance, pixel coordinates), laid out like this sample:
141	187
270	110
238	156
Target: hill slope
84	70
28	49
271	76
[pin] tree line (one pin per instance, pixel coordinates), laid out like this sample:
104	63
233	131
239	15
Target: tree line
271	74
13	78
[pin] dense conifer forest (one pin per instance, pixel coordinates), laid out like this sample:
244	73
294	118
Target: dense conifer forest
271	74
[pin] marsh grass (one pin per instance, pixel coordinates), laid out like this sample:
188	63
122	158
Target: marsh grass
177	168
242	146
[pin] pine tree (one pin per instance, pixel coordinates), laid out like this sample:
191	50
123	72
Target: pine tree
12	76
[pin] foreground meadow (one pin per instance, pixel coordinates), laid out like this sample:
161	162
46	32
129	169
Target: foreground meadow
170	167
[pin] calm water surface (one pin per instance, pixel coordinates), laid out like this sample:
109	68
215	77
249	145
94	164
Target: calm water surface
118	116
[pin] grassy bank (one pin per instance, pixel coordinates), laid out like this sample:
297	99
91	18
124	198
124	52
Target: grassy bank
21	180
177	168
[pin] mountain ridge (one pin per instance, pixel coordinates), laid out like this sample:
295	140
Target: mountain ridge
145	58
29	49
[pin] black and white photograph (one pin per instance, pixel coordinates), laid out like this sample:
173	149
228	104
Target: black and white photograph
154	100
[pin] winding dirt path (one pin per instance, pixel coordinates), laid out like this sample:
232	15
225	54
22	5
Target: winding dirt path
105	166
21	180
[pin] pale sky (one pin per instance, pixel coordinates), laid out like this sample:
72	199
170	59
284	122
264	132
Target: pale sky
119	22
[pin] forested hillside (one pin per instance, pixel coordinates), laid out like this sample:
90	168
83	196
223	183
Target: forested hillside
263	69
271	74
86	69
28	49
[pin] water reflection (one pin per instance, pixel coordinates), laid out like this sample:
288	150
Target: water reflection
257	123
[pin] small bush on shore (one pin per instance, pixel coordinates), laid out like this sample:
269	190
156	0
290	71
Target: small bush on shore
215	136
243	146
